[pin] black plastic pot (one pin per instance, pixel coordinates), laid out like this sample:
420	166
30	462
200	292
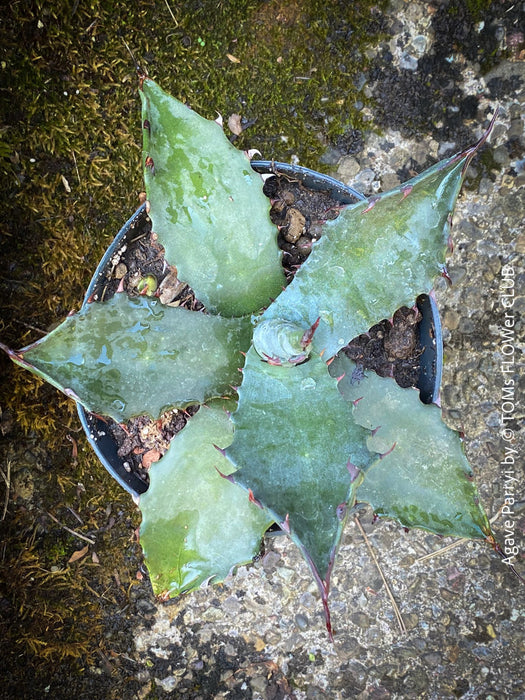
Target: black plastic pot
431	345
430	337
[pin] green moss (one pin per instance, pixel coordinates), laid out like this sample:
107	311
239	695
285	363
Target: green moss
57	613
288	67
478	7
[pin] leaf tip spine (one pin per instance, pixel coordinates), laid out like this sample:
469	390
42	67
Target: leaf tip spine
444	273
385	454
228	477
223	453
353	470
309	333
372	201
254	500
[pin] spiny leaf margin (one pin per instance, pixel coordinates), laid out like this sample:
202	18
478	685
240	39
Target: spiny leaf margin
400	236
196	524
135	356
208	208
423	478
308	457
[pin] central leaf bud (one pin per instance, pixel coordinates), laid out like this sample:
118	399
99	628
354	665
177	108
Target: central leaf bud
281	342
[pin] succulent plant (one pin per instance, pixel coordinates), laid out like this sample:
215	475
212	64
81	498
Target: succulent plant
306	434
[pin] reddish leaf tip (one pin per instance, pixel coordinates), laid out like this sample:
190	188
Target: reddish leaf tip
340	511
274	361
444	273
228	477
385	454
352	470
285	525
254	500
406	191
309	334
148	163
71	394
372	201
221	450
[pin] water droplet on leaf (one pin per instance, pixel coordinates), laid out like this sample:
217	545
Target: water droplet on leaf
308	383
118	405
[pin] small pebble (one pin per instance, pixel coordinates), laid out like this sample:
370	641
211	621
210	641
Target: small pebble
296	224
302	621
408	62
120	271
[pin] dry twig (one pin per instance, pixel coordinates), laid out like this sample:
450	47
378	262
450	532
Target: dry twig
395	606
7	479
171	13
71	532
76	168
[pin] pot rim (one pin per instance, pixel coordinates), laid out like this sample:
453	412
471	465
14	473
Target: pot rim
314	180
430	334
94	426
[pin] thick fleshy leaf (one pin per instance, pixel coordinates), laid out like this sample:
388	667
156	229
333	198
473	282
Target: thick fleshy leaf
196	524
375	257
307	456
128	357
208	208
423	478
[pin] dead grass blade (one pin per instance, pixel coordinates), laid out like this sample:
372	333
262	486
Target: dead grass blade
395	607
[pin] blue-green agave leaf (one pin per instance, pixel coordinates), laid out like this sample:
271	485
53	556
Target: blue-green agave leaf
298	451
376	256
208	208
196	524
423	478
128	357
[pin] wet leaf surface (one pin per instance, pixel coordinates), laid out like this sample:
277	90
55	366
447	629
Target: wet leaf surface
422	477
131	356
208	208
196	524
375	257
305	436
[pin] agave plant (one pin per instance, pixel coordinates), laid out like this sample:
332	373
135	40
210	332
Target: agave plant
306	434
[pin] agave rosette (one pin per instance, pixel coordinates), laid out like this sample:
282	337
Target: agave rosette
308	436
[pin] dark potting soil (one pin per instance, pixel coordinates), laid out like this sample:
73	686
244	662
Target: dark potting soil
389	348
